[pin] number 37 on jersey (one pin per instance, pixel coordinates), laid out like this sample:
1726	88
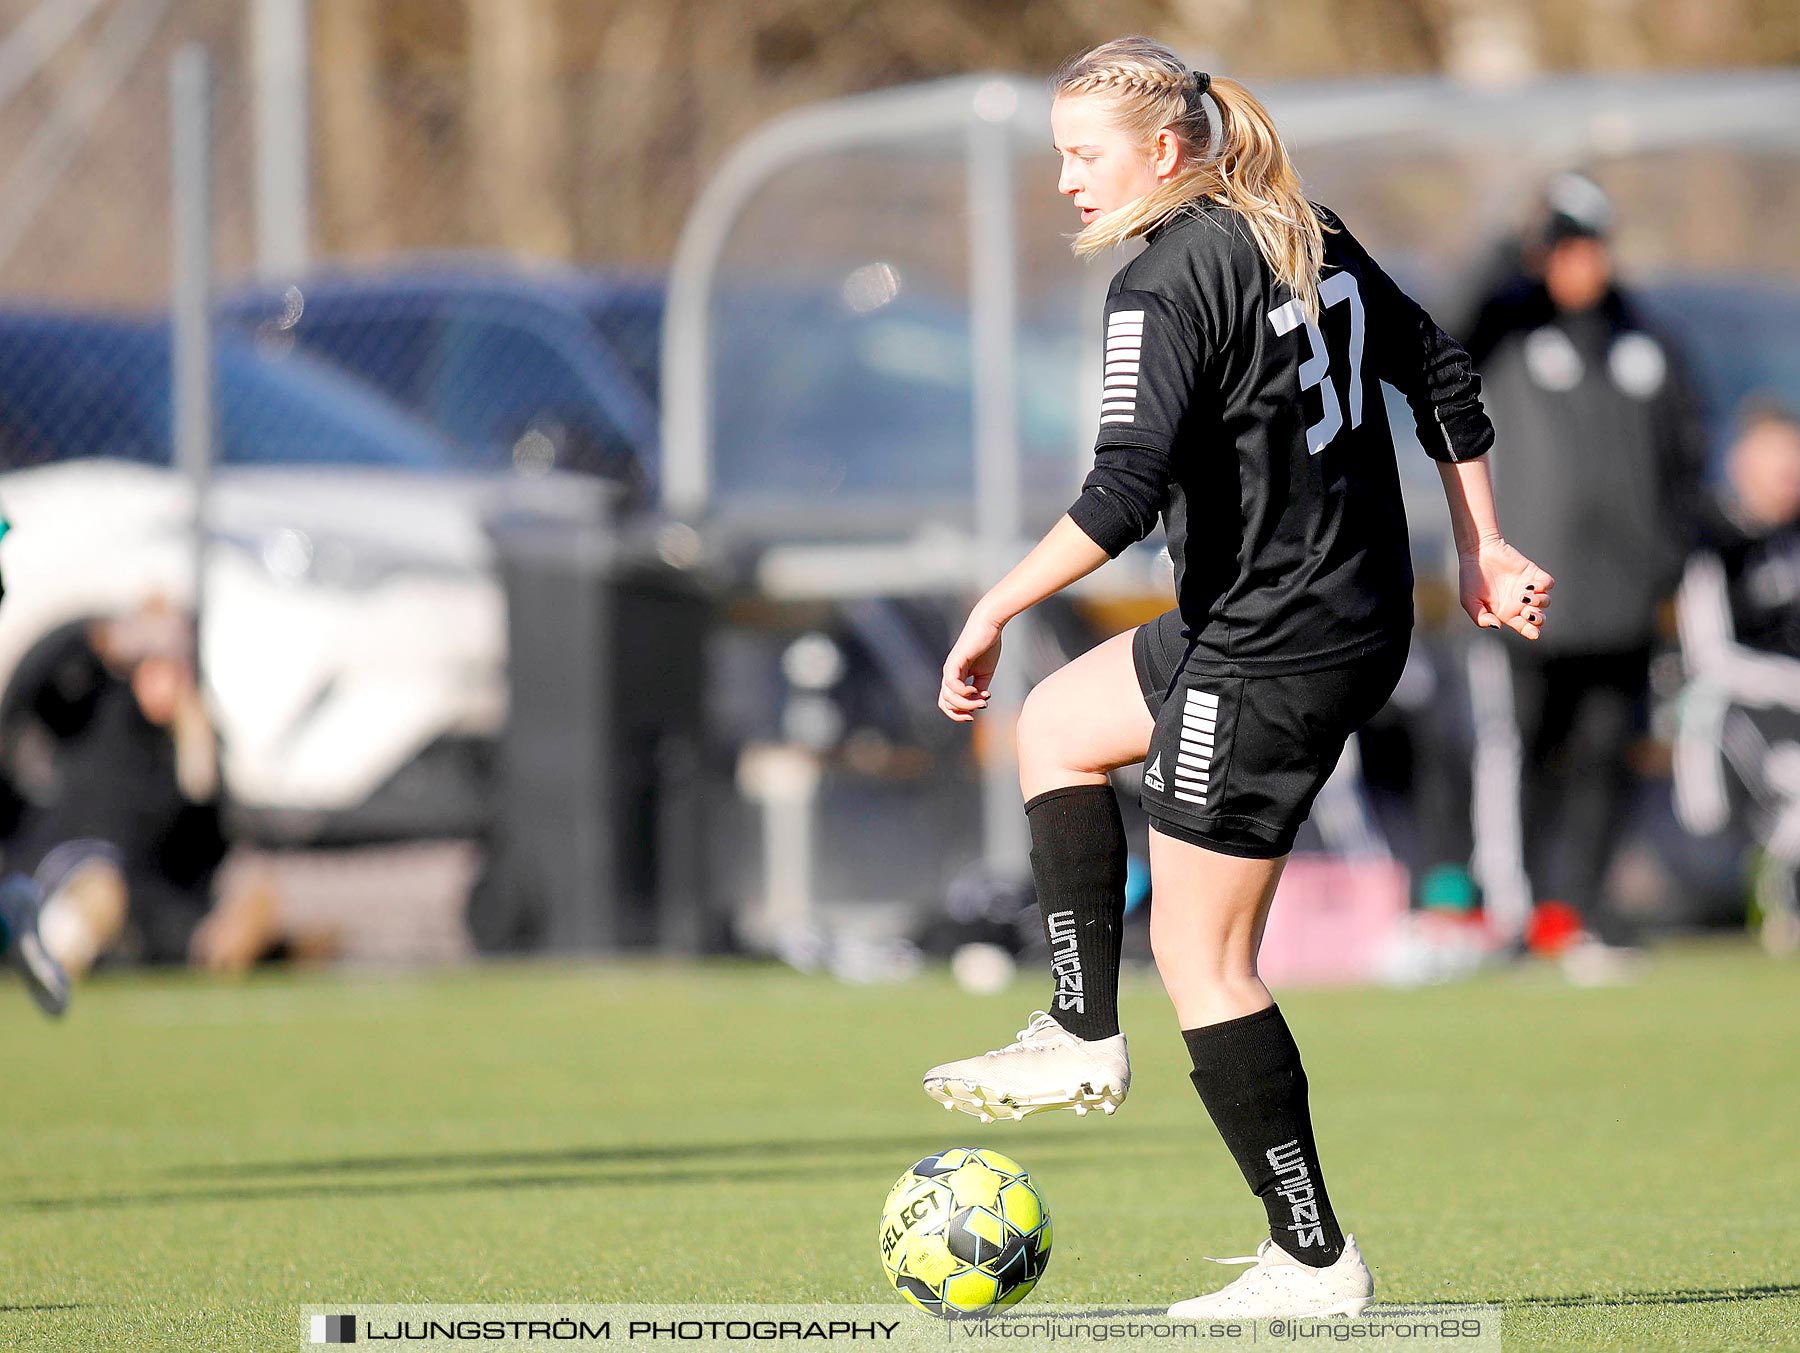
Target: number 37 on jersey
1315	370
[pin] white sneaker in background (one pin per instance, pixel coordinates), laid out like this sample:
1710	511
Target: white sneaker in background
84	915
1590	962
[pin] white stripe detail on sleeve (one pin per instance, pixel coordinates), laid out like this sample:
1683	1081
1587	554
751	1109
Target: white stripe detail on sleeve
1124	354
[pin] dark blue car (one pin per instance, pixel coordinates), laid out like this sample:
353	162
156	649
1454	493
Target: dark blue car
828	415
522	372
78	385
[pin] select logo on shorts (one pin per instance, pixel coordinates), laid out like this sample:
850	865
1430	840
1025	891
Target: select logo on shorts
1193	759
1124	349
334	1329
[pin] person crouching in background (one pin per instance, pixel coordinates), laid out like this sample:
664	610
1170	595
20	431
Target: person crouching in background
1737	756
129	851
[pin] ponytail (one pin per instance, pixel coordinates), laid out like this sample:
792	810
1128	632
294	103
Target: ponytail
1241	164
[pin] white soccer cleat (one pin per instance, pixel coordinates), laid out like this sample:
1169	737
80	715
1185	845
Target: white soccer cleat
1281	1286
1047	1068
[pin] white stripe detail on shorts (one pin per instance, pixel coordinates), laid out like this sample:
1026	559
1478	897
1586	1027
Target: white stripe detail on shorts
1195	746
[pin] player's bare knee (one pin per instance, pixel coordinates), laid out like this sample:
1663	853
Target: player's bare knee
1221	969
1035	723
1044	734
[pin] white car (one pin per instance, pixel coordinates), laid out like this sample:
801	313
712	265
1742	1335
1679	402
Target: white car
352	624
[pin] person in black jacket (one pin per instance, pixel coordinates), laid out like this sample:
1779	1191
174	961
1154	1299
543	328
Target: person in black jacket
128	845
131	848
1738	752
1240	404
1604	451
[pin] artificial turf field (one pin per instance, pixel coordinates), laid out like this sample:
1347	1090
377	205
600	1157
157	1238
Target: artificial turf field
186	1164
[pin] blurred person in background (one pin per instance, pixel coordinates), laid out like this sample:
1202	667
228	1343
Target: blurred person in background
1738	752
129	852
1241	403
1604	448
21	905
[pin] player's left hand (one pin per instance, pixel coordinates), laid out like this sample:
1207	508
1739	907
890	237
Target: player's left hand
1502	588
969	669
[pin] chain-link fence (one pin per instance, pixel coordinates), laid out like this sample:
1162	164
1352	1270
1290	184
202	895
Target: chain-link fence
466	321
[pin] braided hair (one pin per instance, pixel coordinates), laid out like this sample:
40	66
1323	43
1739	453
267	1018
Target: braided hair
1241	164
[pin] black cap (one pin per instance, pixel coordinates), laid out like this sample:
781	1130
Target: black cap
1578	208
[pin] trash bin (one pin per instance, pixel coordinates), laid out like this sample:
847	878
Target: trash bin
600	839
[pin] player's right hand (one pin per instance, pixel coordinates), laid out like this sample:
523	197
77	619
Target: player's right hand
969	669
1502	588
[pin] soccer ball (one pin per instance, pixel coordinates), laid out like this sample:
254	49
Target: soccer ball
964	1232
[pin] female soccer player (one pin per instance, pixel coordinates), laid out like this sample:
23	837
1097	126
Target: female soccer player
1244	347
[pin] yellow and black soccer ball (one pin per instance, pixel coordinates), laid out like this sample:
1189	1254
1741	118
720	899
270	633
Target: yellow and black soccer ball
964	1232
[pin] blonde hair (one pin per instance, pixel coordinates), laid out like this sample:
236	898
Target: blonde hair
1245	167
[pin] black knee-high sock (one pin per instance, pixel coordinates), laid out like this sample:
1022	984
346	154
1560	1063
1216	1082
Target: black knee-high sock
1078	865
1249	1076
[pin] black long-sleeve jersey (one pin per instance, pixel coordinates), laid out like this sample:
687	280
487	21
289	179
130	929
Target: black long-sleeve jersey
1262	441
1605	454
1740	604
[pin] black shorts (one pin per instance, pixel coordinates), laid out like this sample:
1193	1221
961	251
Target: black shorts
1236	762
